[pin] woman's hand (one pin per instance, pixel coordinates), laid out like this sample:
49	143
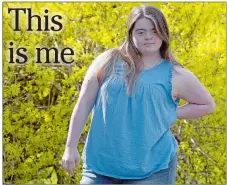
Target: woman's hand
70	159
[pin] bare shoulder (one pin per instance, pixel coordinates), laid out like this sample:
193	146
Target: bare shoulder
188	87
182	80
181	74
180	71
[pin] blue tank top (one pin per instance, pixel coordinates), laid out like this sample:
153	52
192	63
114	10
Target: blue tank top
130	136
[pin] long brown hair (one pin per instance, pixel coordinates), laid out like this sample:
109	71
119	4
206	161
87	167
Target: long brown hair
128	51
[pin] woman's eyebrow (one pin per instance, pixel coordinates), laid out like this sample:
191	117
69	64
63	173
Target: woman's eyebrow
143	29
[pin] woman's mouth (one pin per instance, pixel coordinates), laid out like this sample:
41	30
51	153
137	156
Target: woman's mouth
148	43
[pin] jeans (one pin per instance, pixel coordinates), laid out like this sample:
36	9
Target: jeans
165	176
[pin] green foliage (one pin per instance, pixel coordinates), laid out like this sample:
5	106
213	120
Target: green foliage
39	99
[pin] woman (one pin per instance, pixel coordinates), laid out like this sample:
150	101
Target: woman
134	91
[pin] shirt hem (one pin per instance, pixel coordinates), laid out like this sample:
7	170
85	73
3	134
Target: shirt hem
121	177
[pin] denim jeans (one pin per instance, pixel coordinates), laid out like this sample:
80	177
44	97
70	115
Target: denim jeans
166	176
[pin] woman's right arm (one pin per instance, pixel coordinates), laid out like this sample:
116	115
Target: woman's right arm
83	107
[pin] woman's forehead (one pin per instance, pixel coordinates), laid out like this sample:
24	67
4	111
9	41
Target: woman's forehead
144	23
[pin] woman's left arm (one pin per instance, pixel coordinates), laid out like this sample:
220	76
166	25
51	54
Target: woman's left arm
187	86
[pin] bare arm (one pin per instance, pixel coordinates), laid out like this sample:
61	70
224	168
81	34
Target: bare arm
82	109
78	120
188	87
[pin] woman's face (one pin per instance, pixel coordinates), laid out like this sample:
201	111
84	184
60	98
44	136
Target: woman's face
145	37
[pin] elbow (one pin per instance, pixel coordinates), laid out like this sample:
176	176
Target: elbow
211	107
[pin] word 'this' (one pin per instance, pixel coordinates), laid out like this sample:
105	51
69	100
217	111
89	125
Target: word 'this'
28	11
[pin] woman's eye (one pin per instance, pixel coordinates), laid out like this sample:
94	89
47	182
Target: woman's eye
140	33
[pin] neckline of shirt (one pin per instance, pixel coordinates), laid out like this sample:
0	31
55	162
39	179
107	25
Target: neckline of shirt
151	68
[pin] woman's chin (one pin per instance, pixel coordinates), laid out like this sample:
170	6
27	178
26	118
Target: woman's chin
149	50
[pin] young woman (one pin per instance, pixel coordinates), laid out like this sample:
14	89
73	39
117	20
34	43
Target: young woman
134	91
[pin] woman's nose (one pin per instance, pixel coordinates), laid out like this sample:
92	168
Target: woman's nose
149	36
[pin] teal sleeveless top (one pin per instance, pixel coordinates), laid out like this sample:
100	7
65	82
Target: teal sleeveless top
130	136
